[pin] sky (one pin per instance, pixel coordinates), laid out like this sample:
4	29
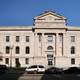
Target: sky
22	12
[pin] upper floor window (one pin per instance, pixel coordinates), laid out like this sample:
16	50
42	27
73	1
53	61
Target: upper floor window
7	38
72	60
17	50
27	50
17	38
7	49
27	38
49	48
72	38
72	50
40	36
60	37
50	38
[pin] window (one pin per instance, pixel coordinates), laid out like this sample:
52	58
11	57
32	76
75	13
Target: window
60	37
7	60
72	38
27	50
72	61
26	61
27	38
17	50
49	48
40	36
50	38
1	58
7	49
50	56
17	62
72	50
17	38
7	38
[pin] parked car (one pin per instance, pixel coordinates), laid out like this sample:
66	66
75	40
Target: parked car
72	70
54	70
35	69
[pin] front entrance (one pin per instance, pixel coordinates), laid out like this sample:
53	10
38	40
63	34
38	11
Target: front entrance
50	56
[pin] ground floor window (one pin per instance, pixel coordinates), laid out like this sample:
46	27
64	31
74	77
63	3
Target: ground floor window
72	61
17	62
7	60
27	61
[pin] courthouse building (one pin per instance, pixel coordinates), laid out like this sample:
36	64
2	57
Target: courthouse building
49	42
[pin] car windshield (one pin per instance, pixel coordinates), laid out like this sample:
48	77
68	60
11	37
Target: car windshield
41	66
34	66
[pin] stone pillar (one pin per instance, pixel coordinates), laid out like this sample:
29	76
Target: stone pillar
35	48
64	44
57	40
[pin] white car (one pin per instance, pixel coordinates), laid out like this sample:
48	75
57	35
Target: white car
35	69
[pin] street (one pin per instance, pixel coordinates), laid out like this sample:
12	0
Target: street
22	75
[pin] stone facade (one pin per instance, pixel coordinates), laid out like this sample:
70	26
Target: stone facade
49	42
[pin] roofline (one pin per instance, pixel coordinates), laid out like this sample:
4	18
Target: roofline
73	28
50	12
16	28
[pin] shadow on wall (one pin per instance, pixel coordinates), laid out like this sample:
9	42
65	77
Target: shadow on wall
12	74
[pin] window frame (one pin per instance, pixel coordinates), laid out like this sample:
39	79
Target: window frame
17	38
27	38
7	49
72	38
17	50
27	50
50	38
73	50
7	60
7	38
26	60
72	61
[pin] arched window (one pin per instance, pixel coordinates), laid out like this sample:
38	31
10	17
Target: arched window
72	50
7	49
49	48
27	50
17	50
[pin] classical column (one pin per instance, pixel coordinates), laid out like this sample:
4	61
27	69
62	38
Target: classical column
64	42
34	56
57	43
42	44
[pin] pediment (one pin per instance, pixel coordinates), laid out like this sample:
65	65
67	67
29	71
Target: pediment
50	16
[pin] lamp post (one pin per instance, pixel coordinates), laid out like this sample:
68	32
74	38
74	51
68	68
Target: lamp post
11	57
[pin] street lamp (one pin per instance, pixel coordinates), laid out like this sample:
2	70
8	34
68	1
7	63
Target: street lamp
11	57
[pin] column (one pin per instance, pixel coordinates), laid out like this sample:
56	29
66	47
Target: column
64	44
57	40
35	50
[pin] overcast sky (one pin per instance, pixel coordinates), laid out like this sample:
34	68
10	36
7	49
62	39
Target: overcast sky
22	12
